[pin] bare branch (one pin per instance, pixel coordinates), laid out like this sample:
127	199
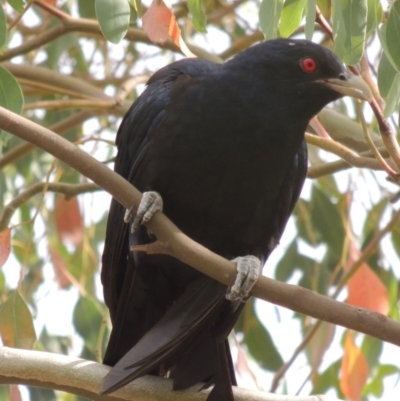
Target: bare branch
69	190
48	370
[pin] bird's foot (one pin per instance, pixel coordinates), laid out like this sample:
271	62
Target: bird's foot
151	203
249	270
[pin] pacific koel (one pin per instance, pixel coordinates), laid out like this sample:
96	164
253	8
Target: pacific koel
221	147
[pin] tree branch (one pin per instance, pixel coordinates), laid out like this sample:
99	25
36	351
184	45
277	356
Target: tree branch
48	370
178	245
69	190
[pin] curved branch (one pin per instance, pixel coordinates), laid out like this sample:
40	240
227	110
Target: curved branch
87	26
48	370
178	245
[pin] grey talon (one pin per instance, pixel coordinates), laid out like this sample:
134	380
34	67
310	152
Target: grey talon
248	271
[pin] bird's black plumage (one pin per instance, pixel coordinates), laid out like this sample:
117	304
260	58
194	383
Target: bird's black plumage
224	146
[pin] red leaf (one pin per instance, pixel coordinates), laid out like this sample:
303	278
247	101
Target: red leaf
157	21
15	394
365	289
354	370
5	246
60	268
68	220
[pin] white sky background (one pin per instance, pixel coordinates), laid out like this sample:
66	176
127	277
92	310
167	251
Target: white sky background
55	307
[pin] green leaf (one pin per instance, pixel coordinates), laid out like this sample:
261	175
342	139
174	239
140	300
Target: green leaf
372	349
326	219
375	386
392	34
86	8
87	320
389	84
269	15
349	20
137	5
374	15
291	16
16	323
374	216
310	18
199	18
327	379
17	5
257	339
11	96
3	28
113	17
41	394
393	98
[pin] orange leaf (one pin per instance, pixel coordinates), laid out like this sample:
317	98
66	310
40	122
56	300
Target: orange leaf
157	21
365	289
59	268
354	370
69	220
5	246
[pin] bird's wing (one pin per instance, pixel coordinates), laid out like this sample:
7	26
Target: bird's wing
124	292
186	318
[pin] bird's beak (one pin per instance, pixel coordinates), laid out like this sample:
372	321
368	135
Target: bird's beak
352	85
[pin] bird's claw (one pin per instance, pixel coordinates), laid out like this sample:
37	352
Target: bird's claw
249	270
150	204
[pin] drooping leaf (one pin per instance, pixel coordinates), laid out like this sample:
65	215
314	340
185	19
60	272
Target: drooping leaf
199	19
16	323
365	289
327	379
68	220
59	267
310	18
372	349
5	246
87	320
392	34
354	369
11	96
291	16
389	84
3	28
375	386
86	8
321	341
393	97
17	5
269	15
15	394
326	219
157	21
349	23
113	17
258	340
374	15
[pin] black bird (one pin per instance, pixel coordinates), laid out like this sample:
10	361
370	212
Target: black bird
223	144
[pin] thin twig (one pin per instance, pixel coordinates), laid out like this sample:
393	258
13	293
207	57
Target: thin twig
69	190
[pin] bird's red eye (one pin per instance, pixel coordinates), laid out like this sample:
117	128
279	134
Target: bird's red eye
309	65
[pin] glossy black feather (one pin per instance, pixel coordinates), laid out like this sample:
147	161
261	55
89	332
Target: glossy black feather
224	146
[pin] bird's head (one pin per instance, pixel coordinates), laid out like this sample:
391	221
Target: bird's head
302	71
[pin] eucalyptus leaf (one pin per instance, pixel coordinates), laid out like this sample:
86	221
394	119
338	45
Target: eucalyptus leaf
113	17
